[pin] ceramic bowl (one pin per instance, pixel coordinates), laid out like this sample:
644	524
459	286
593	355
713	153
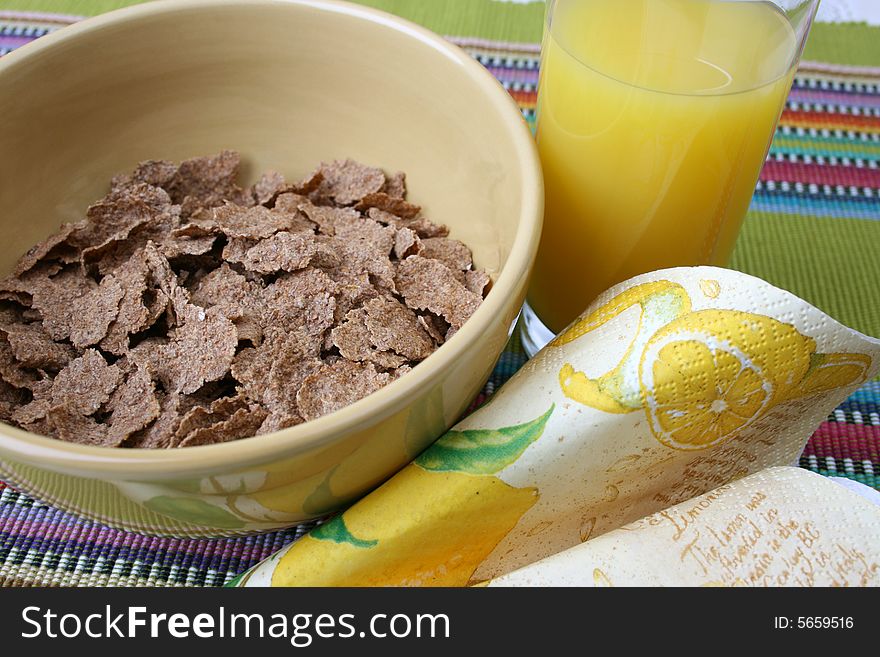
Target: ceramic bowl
288	84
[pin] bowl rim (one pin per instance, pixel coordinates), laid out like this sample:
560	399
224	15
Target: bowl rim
164	463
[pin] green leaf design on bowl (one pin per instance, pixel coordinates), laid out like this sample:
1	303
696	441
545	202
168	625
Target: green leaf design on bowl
482	451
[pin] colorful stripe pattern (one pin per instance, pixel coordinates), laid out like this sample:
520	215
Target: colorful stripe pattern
824	164
42	546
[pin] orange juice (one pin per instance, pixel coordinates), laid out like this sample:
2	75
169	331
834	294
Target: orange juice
654	118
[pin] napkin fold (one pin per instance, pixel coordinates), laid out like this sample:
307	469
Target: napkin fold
670	385
778	527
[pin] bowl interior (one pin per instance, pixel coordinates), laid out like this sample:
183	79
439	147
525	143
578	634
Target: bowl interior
286	84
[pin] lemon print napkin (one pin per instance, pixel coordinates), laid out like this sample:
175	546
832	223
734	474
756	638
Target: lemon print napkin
669	386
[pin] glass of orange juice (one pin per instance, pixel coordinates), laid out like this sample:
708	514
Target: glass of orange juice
654	119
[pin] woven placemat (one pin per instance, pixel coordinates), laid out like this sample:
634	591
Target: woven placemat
814	228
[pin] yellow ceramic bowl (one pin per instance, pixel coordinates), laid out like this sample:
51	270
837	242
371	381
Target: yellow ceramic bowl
288	84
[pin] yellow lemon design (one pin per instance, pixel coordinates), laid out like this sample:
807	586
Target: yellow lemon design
698	391
710	374
617	391
711	288
829	371
665	298
434	529
600	579
432	524
703	376
772	348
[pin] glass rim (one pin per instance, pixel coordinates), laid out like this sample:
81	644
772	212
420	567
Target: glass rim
709	93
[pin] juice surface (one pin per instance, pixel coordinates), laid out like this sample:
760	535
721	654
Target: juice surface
654	119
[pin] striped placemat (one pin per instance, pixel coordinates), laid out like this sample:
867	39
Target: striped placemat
814	228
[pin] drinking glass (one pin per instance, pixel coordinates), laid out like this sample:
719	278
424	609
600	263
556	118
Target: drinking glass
654	119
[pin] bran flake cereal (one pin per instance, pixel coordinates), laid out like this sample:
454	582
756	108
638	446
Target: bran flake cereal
185	309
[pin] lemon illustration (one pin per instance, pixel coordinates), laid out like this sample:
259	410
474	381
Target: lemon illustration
698	391
829	371
703	376
617	391
600	579
432	524
710	374
663	298
458	520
